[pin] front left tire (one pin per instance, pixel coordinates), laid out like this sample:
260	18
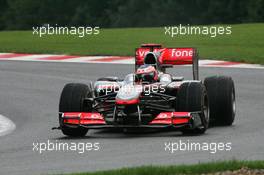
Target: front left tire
221	93
71	100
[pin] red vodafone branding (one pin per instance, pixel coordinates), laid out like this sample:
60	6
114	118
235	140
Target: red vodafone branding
92	116
141	53
177	53
174	56
177	56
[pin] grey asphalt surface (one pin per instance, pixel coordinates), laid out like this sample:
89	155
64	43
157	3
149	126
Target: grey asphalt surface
29	96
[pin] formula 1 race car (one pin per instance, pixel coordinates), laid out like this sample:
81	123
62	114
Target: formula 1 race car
149	97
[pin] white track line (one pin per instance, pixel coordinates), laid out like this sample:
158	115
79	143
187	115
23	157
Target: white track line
6	126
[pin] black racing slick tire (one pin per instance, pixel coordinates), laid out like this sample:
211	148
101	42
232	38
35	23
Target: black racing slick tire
192	97
221	93
71	100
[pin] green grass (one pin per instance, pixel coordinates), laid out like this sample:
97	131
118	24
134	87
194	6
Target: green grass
182	169
246	43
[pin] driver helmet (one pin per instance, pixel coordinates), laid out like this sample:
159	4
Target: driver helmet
146	74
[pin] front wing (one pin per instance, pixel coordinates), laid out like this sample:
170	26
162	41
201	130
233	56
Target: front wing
95	120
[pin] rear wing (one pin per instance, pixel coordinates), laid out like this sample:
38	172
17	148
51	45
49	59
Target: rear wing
170	56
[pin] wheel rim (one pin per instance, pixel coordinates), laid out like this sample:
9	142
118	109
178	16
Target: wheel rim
206	110
233	104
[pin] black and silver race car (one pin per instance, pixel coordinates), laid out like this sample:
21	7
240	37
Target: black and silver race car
149	97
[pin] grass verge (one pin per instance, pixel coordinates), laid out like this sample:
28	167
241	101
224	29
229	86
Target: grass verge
246	43
182	169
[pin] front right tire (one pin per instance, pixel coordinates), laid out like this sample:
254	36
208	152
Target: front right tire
192	97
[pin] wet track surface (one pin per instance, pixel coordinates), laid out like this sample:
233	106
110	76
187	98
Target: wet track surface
29	96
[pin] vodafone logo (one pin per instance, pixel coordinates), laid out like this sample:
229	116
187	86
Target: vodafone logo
164	115
95	116
181	53
142	52
173	56
177	52
92	116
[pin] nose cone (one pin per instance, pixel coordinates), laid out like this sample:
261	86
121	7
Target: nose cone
128	94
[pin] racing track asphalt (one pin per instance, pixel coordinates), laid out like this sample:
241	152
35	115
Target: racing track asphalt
29	96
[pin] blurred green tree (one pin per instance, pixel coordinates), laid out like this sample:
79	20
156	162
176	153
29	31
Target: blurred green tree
24	14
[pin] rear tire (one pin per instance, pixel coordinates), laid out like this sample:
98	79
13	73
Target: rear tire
221	93
71	100
192	97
